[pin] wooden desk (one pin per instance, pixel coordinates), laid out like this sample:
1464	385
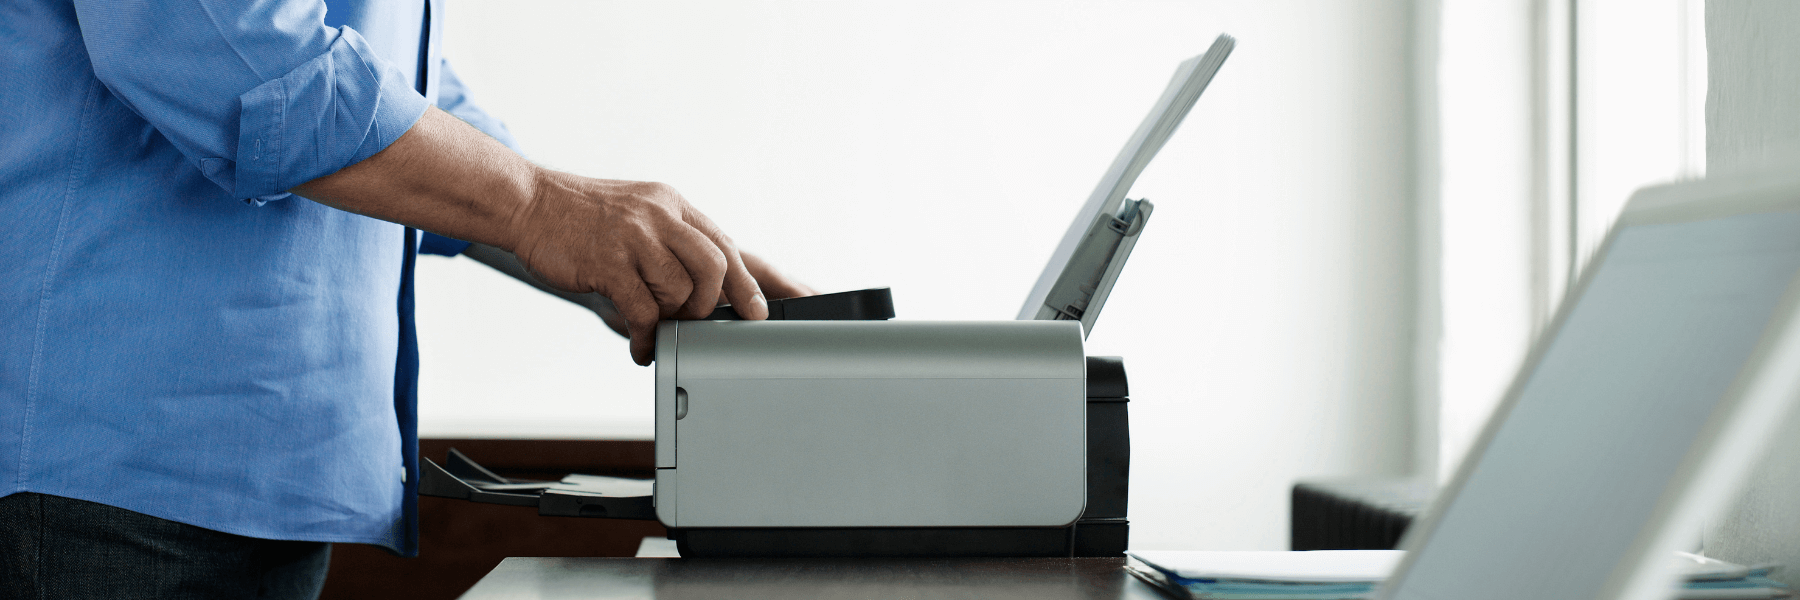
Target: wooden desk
666	578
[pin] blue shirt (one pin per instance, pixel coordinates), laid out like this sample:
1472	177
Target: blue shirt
178	335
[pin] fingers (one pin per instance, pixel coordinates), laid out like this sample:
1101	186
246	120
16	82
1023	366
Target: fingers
706	266
608	313
641	313
666	278
641	245
739	285
745	295
684	283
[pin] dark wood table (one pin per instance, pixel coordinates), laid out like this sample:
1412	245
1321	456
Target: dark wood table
665	578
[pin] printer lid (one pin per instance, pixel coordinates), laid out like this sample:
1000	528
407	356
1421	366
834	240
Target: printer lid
1081	271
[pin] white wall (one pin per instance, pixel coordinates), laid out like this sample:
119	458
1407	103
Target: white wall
1484	194
1521	180
1643	69
941	148
1752	120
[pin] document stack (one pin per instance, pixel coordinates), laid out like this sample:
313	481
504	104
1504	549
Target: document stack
1357	574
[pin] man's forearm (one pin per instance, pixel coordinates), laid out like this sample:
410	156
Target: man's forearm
442	176
639	244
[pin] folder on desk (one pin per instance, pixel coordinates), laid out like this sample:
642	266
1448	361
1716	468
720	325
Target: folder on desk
1355	574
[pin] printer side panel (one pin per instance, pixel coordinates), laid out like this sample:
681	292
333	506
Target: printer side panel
666	334
662	492
883	424
883	453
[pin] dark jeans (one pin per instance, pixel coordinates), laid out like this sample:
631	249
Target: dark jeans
53	547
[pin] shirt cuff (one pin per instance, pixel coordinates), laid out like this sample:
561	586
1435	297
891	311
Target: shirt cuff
329	113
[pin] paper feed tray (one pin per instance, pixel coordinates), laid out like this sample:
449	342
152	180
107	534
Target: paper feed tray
576	495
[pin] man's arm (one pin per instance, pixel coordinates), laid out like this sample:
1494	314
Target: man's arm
455	98
266	100
640	244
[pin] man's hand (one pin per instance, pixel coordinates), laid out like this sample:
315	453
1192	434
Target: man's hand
640	244
771	281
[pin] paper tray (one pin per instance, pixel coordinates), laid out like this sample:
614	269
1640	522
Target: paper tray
575	496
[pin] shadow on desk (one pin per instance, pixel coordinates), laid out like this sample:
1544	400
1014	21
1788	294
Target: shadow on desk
459	541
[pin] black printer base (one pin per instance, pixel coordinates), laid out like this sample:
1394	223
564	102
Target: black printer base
1087	538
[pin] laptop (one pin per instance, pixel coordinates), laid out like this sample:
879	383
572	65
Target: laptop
1670	366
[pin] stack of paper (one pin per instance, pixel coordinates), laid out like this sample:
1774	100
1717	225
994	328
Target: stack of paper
1714	579
1355	574
1323	574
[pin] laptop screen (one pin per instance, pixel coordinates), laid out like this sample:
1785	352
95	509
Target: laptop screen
1589	474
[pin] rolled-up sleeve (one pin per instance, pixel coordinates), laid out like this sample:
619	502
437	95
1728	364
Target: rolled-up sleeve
261	95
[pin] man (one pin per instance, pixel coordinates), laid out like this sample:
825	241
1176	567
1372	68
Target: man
210	210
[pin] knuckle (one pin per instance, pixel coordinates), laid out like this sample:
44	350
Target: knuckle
638	309
658	190
620	256
636	304
643	318
669	270
716	263
668	299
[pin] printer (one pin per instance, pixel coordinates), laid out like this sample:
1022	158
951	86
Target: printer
831	429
